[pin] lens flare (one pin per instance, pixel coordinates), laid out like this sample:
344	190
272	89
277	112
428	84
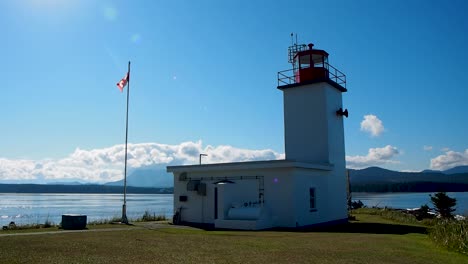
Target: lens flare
110	13
135	38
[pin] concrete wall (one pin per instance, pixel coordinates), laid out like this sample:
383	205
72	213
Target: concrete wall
314	133
286	197
197	208
278	197
242	191
336	145
304	180
305	123
330	202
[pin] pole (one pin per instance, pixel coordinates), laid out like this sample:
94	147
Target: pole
124	207
348	190
200	156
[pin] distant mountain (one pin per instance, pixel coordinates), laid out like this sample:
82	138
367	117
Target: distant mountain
431	171
65	183
379	175
374	174
454	170
458	169
148	177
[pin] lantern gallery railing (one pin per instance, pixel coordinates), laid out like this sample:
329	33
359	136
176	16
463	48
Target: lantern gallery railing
291	76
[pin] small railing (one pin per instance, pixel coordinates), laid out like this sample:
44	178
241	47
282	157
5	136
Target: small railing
336	75
287	77
291	76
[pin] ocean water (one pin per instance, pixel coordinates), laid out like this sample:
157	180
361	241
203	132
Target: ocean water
37	208
409	200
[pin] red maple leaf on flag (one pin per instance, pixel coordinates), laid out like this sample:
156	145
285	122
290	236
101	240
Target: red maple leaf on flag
123	82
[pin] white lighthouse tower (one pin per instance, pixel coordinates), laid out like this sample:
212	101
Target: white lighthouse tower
313	110
313	118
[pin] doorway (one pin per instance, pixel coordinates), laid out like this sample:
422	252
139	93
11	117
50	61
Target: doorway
215	203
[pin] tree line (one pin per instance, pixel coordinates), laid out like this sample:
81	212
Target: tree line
409	187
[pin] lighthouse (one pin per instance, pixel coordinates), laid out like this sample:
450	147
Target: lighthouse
307	188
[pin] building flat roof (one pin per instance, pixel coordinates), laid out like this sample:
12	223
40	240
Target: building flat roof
251	165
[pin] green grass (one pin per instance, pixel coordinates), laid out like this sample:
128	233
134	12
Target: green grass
27	229
105	221
448	233
393	215
370	239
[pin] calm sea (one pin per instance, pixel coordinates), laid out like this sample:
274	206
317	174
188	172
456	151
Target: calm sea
37	208
409	200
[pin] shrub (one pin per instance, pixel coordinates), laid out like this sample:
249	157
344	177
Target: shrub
147	216
451	234
48	224
13	226
423	213
357	205
428	222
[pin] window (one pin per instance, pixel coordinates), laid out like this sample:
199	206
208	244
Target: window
312	197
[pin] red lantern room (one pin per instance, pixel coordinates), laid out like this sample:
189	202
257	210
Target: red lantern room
310	66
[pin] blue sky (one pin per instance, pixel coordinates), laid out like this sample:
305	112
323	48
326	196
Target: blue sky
206	70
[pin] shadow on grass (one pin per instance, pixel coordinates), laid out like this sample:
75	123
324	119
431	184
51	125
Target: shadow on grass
371	228
349	227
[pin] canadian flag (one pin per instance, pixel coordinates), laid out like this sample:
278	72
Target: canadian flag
123	82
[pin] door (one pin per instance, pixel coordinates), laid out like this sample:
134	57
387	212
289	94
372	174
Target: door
215	203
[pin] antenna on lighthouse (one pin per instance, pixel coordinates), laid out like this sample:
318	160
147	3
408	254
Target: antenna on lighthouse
294	49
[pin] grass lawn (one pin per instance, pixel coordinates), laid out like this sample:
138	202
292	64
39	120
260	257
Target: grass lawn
371	239
55	228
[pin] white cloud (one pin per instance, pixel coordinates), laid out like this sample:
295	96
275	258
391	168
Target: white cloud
373	125
103	165
427	148
449	160
375	156
445	149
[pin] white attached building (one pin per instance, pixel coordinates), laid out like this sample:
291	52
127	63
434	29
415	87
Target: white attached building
307	188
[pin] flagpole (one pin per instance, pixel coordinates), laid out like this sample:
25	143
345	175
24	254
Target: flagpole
124	207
